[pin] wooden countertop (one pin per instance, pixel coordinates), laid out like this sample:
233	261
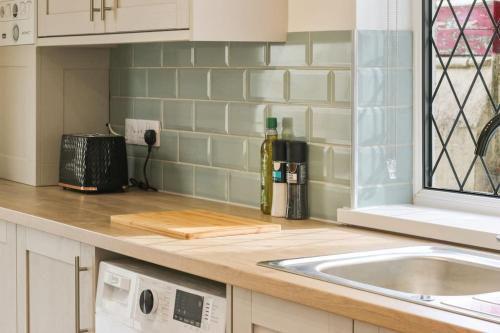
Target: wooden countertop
233	259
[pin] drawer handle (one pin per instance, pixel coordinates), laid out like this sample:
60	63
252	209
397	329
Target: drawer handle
93	10
78	270
104	9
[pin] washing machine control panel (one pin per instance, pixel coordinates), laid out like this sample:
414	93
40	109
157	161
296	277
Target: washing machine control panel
17	22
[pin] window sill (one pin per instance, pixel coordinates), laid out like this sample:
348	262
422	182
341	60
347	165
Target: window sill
439	224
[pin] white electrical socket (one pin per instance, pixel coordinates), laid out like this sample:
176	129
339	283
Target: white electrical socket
135	129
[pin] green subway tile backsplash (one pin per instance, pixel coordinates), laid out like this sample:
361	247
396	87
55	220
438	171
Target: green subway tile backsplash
213	98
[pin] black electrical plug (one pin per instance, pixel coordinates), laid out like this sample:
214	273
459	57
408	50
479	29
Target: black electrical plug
150	139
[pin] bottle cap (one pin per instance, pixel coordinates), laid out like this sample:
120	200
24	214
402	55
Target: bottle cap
272	123
296	151
279	150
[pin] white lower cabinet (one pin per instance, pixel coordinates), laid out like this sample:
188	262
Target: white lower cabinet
258	313
56	287
7	277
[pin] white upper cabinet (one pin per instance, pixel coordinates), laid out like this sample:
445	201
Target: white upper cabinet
144	15
62	18
88	22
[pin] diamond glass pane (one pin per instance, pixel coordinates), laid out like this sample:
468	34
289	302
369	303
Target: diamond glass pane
464	92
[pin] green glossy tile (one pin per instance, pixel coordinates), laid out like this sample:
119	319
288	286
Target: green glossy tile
177	54
168	147
227	84
320	162
147	109
244	188
401	49
342	87
372	48
331	48
229	152
147	55
400	91
156	175
372	87
341	166
385	195
247	119
266	85
194	148
121	56
133	82
135	167
210	183
120	109
178	115
247	54
372	165
114	82
210	54
381	126
324	200
162	82
210	117
331	125
292	121
311	86
295	52
193	83
254	146
178	178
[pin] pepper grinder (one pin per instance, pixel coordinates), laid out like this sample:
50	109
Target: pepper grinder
296	177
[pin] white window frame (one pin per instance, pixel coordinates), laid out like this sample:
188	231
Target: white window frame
426	197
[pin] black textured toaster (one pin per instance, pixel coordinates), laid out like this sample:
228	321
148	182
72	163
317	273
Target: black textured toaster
93	163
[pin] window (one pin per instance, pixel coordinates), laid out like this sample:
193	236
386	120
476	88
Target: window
461	82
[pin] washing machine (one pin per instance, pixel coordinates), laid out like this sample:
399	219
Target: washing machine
136	297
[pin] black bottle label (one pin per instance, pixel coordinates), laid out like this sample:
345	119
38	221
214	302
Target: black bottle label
296	173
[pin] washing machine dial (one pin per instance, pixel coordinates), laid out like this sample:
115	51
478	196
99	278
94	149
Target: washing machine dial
148	301
15	10
15	33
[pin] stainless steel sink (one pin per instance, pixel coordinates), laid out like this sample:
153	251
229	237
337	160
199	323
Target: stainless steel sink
450	278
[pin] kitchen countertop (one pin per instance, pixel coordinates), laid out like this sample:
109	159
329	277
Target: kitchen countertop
233	259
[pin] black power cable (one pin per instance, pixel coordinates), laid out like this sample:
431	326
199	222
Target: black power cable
150	139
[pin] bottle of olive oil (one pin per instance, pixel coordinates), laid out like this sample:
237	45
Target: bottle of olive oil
266	166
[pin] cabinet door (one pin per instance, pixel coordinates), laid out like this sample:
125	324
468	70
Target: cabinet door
145	15
58	292
64	18
258	313
7	277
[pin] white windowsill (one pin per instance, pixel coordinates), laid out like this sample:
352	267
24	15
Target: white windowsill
440	224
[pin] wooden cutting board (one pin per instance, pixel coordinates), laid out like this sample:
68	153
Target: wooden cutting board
194	224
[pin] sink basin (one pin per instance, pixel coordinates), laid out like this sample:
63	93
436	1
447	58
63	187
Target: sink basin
438	276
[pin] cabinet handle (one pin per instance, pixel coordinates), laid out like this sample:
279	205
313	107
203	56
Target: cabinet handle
104	9
93	10
78	270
